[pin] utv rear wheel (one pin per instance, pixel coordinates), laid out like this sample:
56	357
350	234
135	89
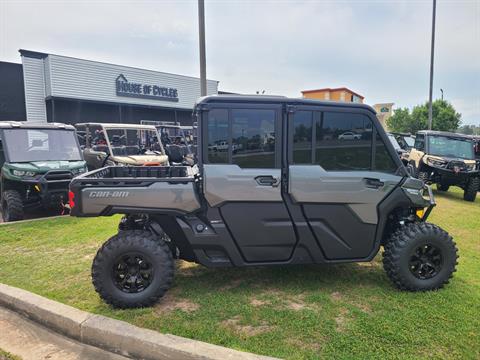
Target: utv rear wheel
470	192
443	187
12	206
133	269
420	257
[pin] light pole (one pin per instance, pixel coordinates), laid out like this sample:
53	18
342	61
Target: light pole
441	90
201	35
430	111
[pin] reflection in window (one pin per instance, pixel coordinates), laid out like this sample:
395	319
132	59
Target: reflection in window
218	136
253	138
302	137
343	141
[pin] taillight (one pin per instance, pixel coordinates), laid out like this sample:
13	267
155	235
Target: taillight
71	199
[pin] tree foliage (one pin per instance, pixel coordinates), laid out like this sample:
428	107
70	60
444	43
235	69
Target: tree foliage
444	115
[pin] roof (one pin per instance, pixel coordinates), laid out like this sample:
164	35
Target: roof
268	99
33	125
119	126
334	89
445	133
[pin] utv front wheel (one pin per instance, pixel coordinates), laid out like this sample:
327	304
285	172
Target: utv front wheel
12	206
133	269
420	257
470	192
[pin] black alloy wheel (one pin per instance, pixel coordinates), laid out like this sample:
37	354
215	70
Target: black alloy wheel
132	273
426	262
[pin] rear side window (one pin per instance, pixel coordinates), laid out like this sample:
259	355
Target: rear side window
253	138
344	141
245	137
302	137
218	134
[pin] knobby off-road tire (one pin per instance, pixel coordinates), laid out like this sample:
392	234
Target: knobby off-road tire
443	187
133	269
470	192
12	206
413	245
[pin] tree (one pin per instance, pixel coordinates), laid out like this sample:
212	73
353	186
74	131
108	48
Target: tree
445	118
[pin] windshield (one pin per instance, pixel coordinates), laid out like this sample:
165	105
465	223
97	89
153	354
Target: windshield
128	142
394	142
175	136
450	147
26	145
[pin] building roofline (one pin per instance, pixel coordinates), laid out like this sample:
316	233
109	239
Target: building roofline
333	89
41	55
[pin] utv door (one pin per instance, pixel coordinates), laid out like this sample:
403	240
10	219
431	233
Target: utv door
243	181
339	181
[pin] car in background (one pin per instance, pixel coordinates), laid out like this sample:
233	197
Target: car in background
349	135
108	144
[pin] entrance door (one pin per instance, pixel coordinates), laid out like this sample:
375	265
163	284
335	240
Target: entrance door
340	170
242	178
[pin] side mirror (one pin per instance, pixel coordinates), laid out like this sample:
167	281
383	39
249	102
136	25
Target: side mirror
410	170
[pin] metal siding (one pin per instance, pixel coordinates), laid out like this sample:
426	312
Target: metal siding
34	81
90	80
46	69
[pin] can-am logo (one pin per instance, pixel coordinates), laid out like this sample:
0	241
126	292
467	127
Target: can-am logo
137	90
108	194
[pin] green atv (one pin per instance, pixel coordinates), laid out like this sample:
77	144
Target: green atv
37	163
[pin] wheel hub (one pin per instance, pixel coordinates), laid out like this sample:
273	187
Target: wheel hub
426	262
132	273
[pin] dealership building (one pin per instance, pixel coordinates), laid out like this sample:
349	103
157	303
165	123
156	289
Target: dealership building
54	88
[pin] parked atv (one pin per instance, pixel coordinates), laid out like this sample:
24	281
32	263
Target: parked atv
120	144
447	159
177	144
293	193
37	163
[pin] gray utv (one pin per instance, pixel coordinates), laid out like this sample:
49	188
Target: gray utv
296	190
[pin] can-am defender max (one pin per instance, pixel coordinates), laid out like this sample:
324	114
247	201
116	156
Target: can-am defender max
291	193
37	161
108	144
447	159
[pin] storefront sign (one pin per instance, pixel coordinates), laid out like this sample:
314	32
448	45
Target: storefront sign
145	91
384	109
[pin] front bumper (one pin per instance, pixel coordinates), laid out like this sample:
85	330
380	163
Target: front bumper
50	189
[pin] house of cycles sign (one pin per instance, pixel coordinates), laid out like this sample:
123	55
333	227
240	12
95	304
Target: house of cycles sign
145	91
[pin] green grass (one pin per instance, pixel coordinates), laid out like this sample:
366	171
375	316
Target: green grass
7	356
300	312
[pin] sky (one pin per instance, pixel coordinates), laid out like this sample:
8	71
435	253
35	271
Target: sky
380	49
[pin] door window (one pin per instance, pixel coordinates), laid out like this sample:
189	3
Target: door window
420	142
383	160
247	137
302	137
343	141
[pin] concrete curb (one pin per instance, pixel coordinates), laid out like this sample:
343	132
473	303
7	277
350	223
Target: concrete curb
113	335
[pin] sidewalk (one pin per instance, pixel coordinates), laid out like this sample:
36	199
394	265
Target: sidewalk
31	341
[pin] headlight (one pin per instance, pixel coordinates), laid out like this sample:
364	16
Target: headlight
433	162
78	171
470	167
23	173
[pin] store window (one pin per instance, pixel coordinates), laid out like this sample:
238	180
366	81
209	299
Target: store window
253	138
343	141
302	137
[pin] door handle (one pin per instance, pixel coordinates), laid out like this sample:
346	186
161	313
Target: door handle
373	183
267	180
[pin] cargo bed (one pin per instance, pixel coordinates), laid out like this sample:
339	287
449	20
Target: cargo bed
134	189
